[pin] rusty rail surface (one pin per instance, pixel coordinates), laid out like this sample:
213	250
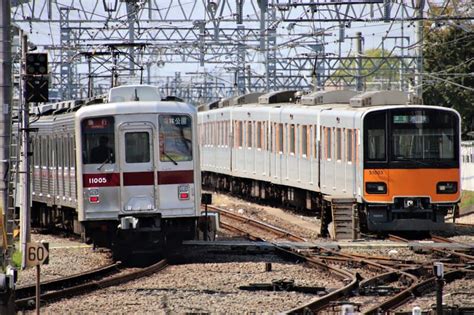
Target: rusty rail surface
91	285
259	224
416	290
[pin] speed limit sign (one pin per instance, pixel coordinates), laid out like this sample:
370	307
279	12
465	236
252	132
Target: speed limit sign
37	254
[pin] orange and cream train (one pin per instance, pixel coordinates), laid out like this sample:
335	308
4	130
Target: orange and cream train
397	164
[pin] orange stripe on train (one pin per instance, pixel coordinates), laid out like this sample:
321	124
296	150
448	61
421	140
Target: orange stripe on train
411	182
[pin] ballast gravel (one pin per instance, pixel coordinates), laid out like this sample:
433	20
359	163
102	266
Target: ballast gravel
209	285
66	257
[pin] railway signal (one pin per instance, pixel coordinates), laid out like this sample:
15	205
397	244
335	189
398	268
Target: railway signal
36	64
36	80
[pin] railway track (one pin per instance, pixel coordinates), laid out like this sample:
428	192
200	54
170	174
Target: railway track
258	227
326	260
82	283
394	284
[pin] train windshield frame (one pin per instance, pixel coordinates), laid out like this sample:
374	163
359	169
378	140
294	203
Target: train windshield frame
98	140
176	135
411	138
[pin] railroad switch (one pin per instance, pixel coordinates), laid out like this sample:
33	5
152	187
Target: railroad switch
379	290
283	285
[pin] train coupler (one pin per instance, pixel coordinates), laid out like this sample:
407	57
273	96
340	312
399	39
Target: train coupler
140	222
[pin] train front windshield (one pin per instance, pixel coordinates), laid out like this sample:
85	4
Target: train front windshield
411	137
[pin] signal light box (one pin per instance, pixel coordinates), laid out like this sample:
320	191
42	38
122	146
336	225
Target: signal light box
36	63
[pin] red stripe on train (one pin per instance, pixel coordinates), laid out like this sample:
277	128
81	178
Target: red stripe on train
175	177
138	179
101	180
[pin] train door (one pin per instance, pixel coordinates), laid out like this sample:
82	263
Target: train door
137	167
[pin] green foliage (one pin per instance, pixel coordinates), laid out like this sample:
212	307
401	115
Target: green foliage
467	199
375	68
16	259
448	54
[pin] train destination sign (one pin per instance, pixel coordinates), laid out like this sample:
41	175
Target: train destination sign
37	254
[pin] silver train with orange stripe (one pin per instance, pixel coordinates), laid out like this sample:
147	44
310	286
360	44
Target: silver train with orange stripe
118	170
367	161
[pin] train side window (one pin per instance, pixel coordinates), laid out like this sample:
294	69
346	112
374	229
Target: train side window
292	138
73	150
259	135
249	134
304	141
349	145
137	147
328	134
61	148
316	144
98	144
43	152
240	138
280	138
338	144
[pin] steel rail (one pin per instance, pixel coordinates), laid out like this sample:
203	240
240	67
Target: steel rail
95	285
323	302
320	262
463	258
261	225
28	291
418	289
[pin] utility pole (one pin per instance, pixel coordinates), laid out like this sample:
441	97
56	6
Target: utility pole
419	6
359	83
25	213
7	305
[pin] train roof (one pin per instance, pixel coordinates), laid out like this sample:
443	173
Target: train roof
340	99
139	98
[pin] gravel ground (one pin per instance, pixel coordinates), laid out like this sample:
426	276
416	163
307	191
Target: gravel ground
66	257
210	285
305	226
459	292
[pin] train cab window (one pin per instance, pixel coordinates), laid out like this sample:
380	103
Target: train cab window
98	140
424	136
375	132
175	138
137	147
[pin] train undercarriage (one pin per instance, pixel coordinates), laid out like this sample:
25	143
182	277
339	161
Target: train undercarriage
341	217
130	235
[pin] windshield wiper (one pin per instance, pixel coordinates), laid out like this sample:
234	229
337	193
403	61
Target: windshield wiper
106	161
403	158
169	157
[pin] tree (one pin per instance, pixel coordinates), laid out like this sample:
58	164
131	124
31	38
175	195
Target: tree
377	68
448	53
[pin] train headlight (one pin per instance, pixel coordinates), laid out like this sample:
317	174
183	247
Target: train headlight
183	192
375	188
447	188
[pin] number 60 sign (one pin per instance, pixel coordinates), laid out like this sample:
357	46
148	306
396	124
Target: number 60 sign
37	254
